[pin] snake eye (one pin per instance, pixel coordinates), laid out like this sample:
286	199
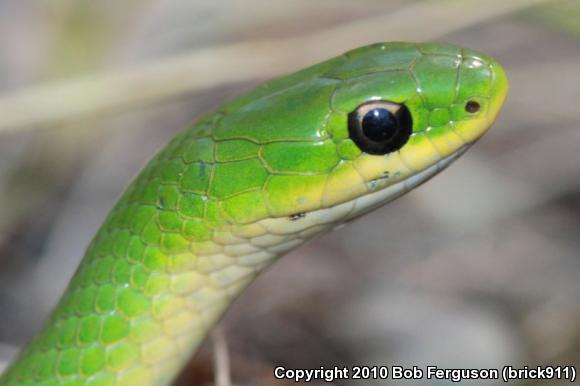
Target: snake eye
380	127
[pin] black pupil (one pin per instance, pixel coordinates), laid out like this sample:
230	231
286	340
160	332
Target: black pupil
380	127
379	124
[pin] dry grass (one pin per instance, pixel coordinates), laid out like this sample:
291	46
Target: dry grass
215	66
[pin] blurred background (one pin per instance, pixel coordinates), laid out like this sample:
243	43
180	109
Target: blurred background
478	268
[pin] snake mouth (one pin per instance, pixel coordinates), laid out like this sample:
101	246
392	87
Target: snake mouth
379	197
424	175
378	184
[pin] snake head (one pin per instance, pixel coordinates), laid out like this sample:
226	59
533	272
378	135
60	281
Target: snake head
410	110
343	136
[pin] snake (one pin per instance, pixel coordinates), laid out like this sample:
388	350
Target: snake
295	157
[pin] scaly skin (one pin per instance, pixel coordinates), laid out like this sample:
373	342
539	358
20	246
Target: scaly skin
216	206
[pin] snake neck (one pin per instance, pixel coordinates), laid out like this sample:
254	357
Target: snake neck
123	322
136	311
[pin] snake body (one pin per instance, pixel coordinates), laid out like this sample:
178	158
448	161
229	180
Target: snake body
241	187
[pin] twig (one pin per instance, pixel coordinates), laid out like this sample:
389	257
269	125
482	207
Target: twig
221	358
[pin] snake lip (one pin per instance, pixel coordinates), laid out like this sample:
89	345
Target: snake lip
385	194
424	175
374	185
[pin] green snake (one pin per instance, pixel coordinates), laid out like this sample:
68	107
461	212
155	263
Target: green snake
295	157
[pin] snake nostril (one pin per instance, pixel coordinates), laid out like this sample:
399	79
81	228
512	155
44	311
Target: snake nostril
472	107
